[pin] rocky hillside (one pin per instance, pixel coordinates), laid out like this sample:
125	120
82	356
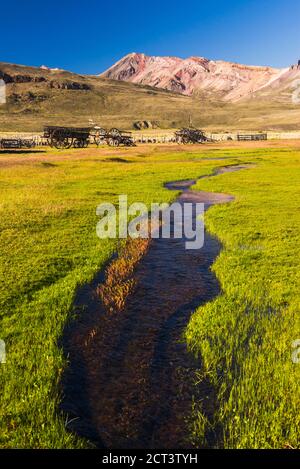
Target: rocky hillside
37	96
226	80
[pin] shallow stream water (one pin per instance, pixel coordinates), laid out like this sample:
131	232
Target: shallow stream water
133	385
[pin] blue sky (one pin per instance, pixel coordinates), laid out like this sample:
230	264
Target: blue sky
89	36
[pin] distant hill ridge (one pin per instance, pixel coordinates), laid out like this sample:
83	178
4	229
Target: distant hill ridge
226	80
169	91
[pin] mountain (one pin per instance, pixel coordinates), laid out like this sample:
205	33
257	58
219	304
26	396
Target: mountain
226	80
228	97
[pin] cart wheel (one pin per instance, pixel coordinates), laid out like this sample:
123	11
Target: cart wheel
113	142
114	132
62	143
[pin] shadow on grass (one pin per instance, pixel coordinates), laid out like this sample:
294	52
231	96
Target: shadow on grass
20	152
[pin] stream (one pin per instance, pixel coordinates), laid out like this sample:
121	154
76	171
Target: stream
132	386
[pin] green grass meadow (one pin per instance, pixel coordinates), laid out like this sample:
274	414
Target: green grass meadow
243	338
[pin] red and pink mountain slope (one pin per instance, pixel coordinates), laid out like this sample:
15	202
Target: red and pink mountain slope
226	80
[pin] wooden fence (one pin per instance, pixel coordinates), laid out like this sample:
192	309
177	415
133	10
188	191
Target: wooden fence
252	137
